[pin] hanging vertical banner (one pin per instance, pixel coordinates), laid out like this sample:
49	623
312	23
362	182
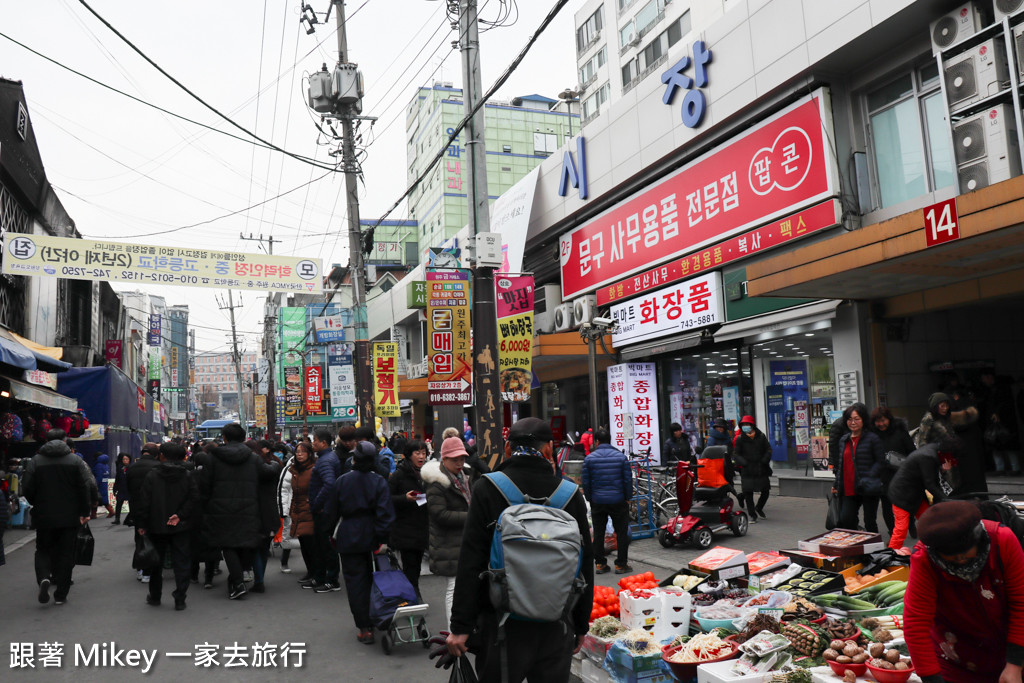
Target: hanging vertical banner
314	389
293	392
450	365
633	408
260	402
154	329
279	408
113	350
515	335
342	382
174	356
385	384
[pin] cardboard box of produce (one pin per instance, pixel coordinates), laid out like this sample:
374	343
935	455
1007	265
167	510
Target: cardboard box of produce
721	672
812	581
832	563
636	663
843	543
687	572
897	573
761	562
721	563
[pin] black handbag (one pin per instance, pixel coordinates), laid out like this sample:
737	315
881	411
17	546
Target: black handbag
835	507
462	672
85	544
146	556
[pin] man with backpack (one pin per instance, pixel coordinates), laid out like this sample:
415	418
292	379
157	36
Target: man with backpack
537	647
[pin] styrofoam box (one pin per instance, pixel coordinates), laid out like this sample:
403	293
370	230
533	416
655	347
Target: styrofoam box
664	615
576	667
593	673
721	672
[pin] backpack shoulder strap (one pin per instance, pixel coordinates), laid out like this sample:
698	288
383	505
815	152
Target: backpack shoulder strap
562	495
509	491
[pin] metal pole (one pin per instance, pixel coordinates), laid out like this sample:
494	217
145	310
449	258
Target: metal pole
485	324
237	359
595	414
361	354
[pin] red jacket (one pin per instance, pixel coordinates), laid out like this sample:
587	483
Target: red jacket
588	442
979	627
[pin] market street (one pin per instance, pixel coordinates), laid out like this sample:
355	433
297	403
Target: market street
107	605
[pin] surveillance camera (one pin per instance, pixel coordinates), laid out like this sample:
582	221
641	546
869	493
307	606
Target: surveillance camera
604	322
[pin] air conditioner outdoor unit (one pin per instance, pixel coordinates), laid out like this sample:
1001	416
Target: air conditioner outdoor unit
1006	8
952	27
546	298
1018	41
563	318
986	148
632	38
543	323
584	309
975	74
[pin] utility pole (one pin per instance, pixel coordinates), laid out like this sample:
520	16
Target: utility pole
237	359
489	413
361	357
270	310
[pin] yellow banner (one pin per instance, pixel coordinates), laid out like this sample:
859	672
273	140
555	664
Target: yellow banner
385	382
64	257
261	410
515	335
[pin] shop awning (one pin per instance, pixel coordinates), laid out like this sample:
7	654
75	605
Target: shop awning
666	345
14	352
48	357
40	396
773	323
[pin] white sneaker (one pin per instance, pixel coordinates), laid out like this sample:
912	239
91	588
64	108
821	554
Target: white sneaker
144	579
285	569
138	575
247	576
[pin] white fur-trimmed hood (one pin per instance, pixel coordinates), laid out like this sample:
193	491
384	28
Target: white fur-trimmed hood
433	474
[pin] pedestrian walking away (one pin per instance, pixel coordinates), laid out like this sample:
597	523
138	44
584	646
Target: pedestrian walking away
753	453
120	486
134	477
166	511
608	485
58	485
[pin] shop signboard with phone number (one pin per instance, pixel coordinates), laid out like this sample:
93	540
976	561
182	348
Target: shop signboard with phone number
450	365
683	307
772	170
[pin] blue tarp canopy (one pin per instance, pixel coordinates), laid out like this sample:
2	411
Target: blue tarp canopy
18	355
106	394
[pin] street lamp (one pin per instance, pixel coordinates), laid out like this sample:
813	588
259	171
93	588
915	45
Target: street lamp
591	332
569	96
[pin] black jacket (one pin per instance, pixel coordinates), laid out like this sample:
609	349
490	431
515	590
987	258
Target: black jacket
535	479
58	484
169	489
411	530
868	460
754	455
137	472
920	472
362	502
270	520
898	440
673	451
229	488
121	481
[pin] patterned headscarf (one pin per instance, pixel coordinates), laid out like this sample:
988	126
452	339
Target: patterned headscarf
970	571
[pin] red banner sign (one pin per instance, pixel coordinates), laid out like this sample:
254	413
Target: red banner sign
795	226
314	390
773	169
113	350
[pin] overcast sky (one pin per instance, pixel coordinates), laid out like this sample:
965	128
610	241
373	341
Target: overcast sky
124	170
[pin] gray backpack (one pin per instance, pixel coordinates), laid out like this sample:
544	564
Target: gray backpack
535	567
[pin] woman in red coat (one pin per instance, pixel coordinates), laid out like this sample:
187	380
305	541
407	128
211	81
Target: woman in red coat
964	606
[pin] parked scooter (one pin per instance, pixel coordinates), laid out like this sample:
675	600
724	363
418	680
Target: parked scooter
713	512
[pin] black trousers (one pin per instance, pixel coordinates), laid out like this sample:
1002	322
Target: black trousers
357	569
326	555
236	559
747	498
537	653
307	546
178	546
851	507
118	504
619	514
887	516
55	556
411	561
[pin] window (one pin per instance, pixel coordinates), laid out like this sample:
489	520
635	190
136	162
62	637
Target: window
654	53
648	16
626	35
589	70
545	143
909	139
592	105
590	31
507	149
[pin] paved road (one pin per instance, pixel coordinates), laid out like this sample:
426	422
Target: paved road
107	605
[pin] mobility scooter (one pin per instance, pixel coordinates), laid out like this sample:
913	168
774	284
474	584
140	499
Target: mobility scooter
703	511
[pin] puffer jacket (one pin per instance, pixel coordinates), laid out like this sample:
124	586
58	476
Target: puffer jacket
920	472
325	472
411	530
270	521
169	489
868	460
101	470
58	484
447	510
934	429
362	502
298	504
754	455
607	476
229	487
137	472
897	440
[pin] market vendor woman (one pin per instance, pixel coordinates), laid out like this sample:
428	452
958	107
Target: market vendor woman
964	606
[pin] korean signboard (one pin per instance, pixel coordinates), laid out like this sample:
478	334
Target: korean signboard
328	329
385	252
794	226
293	392
260	402
385	382
174	357
683	307
416	294
342	381
450	363
515	335
154	330
262	376
772	170
113	348
633	408
81	259
314	390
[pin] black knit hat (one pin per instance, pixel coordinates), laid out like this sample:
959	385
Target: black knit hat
530	431
950	528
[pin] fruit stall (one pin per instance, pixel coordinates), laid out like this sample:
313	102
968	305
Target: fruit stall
828	611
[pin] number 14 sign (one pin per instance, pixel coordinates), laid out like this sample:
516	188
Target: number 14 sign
941	223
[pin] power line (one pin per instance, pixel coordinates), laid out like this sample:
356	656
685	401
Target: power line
196	97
